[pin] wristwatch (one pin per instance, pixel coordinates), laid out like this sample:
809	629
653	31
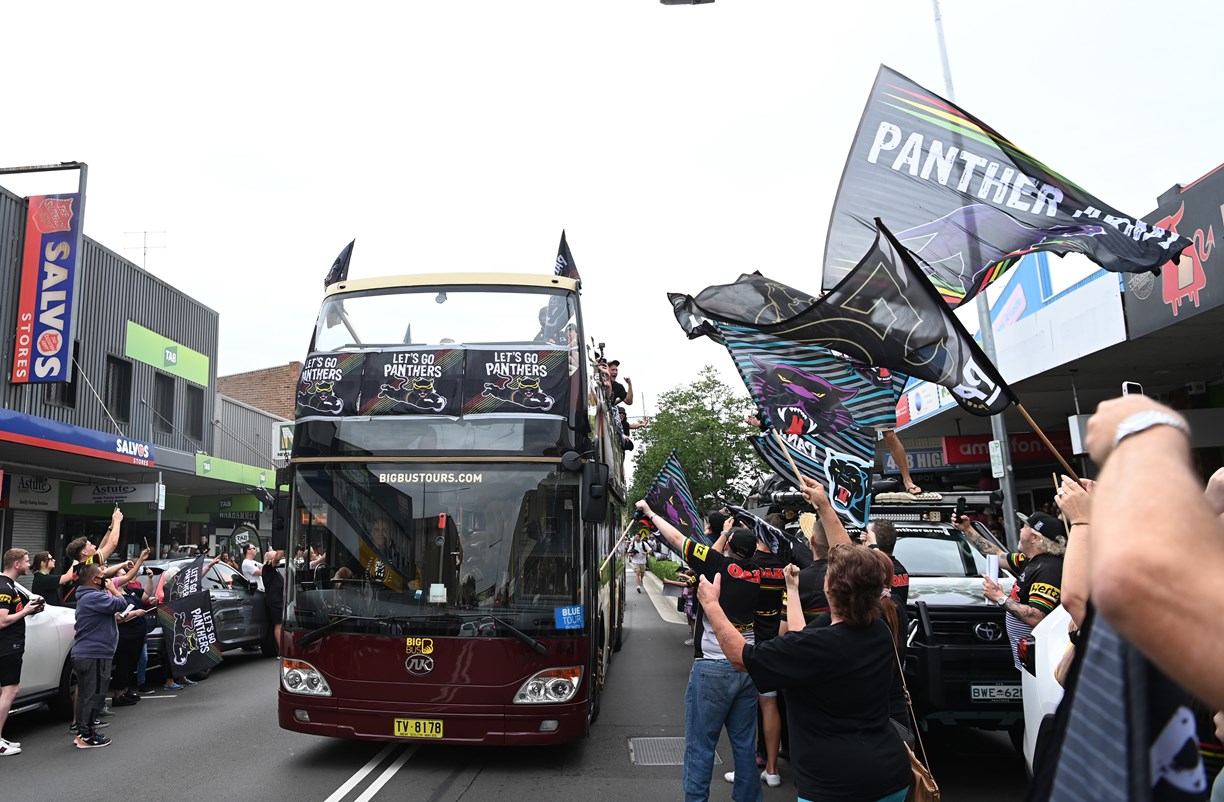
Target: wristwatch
1142	421
1002	602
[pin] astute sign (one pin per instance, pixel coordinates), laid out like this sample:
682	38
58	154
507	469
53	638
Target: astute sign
45	320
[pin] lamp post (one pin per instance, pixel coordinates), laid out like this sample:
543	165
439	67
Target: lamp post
157	502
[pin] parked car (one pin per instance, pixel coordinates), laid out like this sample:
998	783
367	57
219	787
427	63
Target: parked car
239	614
958	664
46	669
1041	654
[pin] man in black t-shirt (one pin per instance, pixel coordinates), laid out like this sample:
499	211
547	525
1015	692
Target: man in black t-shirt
718	696
13	612
1037	567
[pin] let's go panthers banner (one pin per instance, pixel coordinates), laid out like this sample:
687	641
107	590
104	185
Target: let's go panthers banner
46	322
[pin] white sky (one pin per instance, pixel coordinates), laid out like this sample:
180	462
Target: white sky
679	146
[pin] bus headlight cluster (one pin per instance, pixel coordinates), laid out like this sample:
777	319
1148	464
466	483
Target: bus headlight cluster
550	686
298	676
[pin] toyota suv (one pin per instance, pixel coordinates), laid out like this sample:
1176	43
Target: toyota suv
958	664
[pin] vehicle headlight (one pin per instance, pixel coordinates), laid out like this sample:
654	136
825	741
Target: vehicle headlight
550	686
298	676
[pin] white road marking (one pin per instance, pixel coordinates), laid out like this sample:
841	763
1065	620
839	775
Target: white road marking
343	790
388	774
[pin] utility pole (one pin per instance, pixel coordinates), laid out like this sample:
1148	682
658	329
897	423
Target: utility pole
998	427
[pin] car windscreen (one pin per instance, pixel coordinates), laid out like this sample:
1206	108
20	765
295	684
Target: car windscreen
937	551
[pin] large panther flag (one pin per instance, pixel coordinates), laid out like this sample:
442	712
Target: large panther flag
824	407
884	313
967	201
671	498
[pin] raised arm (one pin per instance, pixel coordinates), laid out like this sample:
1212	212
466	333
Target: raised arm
729	638
1160	542
1074	499
815	494
628	391
111	539
794	620
133	569
979	542
670	533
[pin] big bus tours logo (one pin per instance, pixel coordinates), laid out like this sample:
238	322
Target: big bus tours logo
419	661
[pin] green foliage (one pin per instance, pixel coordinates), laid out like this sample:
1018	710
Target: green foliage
663	569
704	422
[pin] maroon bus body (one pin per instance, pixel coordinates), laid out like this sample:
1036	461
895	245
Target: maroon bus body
470	688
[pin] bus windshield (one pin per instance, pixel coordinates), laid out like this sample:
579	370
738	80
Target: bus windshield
430	316
433	548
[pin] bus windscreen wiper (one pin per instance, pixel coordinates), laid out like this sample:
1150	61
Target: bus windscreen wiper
535	645
316	634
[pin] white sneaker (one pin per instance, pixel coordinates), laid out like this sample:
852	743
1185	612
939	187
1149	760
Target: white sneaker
729	776
689	642
7	742
7	749
772	780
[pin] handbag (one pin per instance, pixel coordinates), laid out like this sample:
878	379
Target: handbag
923	788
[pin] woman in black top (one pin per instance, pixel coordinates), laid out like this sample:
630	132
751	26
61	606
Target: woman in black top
836	680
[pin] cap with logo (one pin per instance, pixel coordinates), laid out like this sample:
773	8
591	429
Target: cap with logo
742	543
1045	525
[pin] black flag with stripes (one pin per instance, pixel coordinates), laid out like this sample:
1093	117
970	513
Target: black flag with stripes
339	268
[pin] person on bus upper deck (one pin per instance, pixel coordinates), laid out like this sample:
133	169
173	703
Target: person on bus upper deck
717	694
621	393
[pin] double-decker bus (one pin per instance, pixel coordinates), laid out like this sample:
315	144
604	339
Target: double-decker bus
456	484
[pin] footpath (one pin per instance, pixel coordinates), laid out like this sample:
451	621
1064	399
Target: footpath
638	741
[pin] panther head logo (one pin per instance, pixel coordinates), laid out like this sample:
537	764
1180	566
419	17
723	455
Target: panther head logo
799	402
849	485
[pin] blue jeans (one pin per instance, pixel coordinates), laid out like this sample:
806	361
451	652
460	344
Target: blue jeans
718	695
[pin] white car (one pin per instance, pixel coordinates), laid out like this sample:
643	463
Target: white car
46	667
1042	693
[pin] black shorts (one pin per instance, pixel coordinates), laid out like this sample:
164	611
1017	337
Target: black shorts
10	669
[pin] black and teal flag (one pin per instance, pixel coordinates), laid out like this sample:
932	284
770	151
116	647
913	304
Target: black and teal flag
671	497
776	540
885	313
966	201
820	408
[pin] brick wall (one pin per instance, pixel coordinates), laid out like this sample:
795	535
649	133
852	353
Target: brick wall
270	389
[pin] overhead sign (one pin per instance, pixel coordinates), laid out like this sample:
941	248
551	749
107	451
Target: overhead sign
46	303
282	435
118	493
32	493
16	427
229	471
974	449
147	346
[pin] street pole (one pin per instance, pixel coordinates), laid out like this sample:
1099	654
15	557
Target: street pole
998	427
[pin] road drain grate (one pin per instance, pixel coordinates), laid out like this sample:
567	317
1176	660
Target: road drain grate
660	752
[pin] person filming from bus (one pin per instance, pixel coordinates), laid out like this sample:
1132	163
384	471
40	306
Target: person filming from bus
379	559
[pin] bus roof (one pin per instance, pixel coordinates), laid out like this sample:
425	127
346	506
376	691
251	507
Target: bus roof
454	279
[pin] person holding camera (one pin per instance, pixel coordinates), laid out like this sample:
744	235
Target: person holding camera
13	612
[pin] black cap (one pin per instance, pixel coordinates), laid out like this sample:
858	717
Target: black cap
1047	526
742	543
614	362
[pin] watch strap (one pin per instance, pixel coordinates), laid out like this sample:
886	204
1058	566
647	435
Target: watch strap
1142	421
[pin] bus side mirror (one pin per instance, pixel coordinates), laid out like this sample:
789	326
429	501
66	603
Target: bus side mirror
594	492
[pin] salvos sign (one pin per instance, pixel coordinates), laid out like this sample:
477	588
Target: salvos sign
42	350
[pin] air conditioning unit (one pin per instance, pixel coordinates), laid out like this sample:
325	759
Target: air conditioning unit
1196	388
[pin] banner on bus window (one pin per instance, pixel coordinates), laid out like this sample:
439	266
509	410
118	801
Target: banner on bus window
417	381
516	380
330	385
45	303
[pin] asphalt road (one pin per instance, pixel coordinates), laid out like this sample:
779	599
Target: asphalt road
220	741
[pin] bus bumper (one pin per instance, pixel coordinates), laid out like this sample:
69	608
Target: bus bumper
517	725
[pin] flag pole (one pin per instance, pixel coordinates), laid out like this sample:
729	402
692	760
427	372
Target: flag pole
791	462
615	547
1048	444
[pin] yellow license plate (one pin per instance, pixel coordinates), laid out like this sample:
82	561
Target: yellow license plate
417	728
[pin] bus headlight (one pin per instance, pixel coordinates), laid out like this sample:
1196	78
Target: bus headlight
550	686
298	676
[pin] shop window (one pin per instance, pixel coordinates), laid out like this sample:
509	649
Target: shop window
64	393
117	390
195	413
163	403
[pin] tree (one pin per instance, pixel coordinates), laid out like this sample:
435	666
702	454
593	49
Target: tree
704	422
